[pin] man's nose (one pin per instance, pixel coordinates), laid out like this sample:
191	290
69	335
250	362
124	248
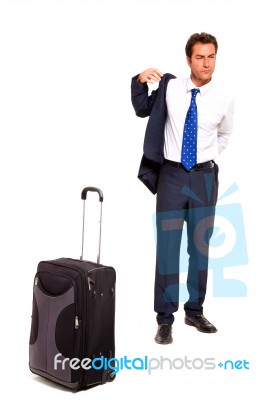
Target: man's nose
206	62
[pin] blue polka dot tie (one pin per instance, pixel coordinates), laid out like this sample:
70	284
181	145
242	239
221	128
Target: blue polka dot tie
189	145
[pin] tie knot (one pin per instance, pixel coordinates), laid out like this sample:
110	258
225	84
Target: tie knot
194	92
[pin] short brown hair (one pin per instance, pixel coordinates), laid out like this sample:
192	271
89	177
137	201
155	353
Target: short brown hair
200	38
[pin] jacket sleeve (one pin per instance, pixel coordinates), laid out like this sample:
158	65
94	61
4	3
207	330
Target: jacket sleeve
141	101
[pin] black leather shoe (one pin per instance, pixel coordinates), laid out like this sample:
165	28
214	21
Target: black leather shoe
164	334
200	323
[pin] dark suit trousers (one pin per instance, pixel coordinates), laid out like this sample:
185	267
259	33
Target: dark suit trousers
183	197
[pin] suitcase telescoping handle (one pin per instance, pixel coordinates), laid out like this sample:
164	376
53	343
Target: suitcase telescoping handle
84	198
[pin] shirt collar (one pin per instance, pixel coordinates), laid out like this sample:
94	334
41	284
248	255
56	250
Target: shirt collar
203	89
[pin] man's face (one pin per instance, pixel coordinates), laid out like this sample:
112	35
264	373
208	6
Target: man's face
202	63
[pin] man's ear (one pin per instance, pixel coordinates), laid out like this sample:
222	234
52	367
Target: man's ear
189	61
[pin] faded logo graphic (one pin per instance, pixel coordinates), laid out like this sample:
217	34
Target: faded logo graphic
219	242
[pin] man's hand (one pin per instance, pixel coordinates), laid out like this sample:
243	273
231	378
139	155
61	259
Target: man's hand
150	75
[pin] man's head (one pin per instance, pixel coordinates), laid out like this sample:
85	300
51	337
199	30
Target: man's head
201	50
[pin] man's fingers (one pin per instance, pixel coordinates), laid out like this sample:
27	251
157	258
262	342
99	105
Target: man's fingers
158	73
151	75
154	75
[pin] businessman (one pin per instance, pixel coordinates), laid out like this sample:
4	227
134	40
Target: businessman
190	122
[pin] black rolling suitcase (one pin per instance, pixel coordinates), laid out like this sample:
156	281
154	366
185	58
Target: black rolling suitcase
72	340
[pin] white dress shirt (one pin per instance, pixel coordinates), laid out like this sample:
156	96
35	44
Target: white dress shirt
215	119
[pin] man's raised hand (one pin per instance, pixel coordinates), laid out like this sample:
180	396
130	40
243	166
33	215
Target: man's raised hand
150	75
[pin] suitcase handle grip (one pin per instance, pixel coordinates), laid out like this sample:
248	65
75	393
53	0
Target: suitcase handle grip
91	189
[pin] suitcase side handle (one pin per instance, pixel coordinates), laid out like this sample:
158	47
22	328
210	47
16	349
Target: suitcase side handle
84	198
91	189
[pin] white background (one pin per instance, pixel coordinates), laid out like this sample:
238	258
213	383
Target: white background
66	122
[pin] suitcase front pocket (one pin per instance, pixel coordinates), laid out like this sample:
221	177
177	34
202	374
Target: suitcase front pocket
54	329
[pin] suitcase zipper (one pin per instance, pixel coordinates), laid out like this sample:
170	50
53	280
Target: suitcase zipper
90	281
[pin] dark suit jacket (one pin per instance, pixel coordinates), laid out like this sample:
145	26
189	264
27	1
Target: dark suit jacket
153	106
